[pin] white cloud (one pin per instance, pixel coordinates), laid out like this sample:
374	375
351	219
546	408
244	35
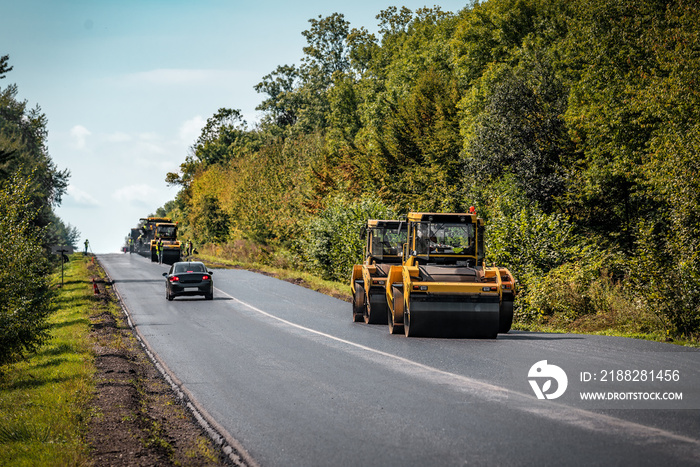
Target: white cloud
136	194
80	197
149	149
191	129
149	136
118	137
79	134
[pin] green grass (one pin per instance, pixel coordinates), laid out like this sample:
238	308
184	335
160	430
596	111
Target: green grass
44	400
656	336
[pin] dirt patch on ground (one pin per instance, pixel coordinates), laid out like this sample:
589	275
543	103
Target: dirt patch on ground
137	419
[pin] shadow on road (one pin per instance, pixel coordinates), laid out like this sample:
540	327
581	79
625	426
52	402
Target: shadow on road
198	299
537	336
135	281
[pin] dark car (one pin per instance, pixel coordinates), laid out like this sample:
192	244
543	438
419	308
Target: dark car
188	278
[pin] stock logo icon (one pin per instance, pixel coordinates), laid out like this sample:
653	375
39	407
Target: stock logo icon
545	373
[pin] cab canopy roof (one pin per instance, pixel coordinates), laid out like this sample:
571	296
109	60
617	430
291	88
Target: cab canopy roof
451	217
386	223
156	219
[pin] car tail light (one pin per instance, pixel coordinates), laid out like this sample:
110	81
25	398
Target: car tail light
174	279
205	277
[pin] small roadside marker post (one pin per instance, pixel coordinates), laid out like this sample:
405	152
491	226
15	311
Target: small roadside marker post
62	250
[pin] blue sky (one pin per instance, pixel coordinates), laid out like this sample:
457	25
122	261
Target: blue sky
127	86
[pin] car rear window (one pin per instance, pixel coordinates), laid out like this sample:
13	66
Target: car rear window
190	267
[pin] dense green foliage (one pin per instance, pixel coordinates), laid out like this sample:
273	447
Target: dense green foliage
571	125
30	187
25	295
332	240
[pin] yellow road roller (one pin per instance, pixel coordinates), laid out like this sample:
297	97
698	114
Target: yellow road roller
442	286
384	241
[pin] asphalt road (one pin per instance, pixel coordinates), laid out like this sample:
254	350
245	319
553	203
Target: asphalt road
286	372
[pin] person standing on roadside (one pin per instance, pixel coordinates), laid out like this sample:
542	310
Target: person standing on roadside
159	250
86	245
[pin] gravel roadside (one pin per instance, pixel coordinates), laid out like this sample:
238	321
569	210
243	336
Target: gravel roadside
137	418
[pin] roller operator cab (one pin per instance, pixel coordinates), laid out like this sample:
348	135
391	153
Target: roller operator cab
383	244
442	287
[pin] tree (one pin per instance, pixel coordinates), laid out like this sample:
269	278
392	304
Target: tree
4	67
393	21
421	145
363	47
283	104
520	131
25	292
667	254
608	55
327	48
490	33
298	101
224	136
224	133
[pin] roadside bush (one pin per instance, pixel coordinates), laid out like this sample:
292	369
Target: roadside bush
585	297
529	240
25	294
333	239
574	289
245	251
530	243
667	282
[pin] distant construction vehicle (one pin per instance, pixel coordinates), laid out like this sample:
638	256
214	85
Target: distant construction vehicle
166	232
384	240
443	288
147	230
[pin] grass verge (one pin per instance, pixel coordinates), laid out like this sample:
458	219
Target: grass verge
44	400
